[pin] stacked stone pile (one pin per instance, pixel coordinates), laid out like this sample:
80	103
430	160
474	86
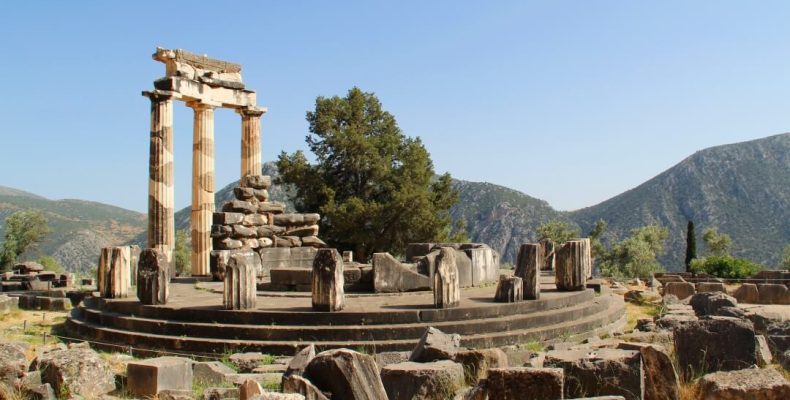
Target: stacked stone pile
253	222
31	276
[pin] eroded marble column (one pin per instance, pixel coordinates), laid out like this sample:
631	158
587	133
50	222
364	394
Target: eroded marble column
250	141
161	225
202	186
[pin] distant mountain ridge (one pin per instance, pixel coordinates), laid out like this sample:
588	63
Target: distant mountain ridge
742	189
79	228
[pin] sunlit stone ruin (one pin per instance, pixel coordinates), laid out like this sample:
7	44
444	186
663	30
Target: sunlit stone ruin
440	319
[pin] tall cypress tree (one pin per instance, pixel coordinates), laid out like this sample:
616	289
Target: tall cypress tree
691	244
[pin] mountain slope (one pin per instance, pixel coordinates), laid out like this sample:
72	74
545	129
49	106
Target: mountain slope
79	228
743	189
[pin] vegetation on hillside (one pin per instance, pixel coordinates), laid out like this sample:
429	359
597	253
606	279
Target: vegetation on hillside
636	255
23	230
374	187
558	231
725	266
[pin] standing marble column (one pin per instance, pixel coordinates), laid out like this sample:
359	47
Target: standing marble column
250	141
161	225
202	186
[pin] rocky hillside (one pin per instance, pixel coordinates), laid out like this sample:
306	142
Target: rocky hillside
79	228
743	189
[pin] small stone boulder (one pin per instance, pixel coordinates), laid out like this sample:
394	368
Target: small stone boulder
152	376
433	380
715	344
77	371
708	303
600	372
346	374
247	362
436	345
709	287
249	390
773	293
522	382
634	296
746	384
299	385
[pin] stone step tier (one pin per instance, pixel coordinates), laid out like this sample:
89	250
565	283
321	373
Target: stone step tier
206	331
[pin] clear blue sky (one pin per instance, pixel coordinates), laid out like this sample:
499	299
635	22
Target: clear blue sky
568	101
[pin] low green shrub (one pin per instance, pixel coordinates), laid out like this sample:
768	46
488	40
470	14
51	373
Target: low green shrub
725	267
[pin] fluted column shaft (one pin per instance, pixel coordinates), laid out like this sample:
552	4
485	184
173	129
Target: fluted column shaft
250	141
202	187
161	225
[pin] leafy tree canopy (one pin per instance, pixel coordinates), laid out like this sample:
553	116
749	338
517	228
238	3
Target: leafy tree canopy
718	244
23	229
597	248
374	187
558	231
786	257
691	244
50	264
636	255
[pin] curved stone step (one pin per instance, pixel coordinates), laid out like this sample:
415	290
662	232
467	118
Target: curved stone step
341	332
611	315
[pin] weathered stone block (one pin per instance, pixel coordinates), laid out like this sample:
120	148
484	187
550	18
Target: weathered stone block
327	287
446	286
256	181
715	344
76	372
346	374
747	293
477	362
300	385
432	380
153	278
521	382
571	266
549	258
773	293
299	362
709	303
255	220
600	372
227	218
509	289
208	373
240	281
708	287
528	269
436	345
312	241
751	384
661	379
484	262
681	290
150	377
390	275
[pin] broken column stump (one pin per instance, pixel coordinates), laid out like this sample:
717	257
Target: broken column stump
240	280
547	251
528	269
153	279
571	266
446	284
510	289
327	283
113	272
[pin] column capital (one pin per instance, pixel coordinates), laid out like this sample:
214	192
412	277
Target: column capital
158	95
252	111
201	105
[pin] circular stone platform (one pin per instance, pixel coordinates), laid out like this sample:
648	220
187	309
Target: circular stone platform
194	322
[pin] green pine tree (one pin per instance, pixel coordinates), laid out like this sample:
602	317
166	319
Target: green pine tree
691	244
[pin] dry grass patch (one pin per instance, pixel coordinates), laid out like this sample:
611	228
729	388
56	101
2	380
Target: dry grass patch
635	312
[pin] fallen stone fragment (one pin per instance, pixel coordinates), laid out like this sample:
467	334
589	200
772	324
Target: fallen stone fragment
249	389
477	362
715	344
346	374
433	380
600	372
509	289
13	362
210	373
75	372
152	376
521	382
299	362
436	345
709	303
681	290
246	362
746	384
661	379
300	385
747	293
